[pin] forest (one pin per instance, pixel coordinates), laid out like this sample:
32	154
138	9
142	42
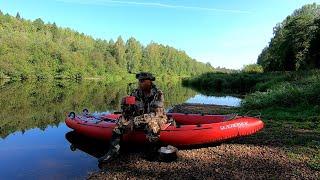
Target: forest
282	88
39	50
296	42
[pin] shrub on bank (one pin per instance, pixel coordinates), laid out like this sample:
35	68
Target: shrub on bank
252	68
304	91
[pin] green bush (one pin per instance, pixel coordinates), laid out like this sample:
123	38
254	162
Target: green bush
305	90
252	68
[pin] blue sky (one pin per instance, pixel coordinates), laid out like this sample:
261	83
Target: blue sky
225	33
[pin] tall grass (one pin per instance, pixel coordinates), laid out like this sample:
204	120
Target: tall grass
304	90
289	103
280	95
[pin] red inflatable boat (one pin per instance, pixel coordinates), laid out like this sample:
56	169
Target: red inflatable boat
188	129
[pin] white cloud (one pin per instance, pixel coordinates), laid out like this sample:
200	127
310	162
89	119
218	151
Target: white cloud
154	4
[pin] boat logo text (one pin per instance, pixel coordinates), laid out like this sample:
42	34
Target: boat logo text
235	125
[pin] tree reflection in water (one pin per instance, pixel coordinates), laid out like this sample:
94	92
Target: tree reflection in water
37	104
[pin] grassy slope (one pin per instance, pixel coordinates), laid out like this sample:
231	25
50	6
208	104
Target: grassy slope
289	104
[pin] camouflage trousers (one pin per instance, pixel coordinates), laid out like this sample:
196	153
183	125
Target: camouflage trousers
150	123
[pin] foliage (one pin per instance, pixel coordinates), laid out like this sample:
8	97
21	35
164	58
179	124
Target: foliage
36	50
229	82
295	45
304	91
252	68
288	103
279	95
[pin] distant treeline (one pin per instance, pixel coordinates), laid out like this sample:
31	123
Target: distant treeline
230	83
34	49
296	42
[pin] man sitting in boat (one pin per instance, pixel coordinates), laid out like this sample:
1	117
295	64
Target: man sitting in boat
147	112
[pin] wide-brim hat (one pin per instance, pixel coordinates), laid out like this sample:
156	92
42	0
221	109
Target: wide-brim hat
145	76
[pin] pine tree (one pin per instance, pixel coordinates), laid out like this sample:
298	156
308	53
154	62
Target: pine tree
133	55
120	53
18	16
38	23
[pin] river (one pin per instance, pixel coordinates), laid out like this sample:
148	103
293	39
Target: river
34	141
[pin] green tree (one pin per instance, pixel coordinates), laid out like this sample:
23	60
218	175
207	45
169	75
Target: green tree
119	52
133	55
18	16
314	51
252	68
39	24
54	31
289	49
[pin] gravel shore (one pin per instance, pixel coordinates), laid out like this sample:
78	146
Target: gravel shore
245	158
227	161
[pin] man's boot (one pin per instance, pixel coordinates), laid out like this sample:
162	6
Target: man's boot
152	148
151	153
114	149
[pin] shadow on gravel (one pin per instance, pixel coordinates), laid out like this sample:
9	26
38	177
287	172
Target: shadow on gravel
228	161
223	162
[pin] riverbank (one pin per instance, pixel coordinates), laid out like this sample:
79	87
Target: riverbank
283	150
287	101
287	148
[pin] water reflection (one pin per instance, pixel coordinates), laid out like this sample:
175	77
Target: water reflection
222	100
26	105
93	147
33	144
42	155
97	148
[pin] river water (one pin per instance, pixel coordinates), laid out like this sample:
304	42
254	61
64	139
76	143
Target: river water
35	142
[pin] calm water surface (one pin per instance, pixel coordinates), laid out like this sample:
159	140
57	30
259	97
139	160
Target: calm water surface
35	142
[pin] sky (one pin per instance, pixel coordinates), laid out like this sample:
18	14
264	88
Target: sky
228	34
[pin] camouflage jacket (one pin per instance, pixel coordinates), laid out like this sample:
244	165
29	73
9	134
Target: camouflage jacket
154	103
